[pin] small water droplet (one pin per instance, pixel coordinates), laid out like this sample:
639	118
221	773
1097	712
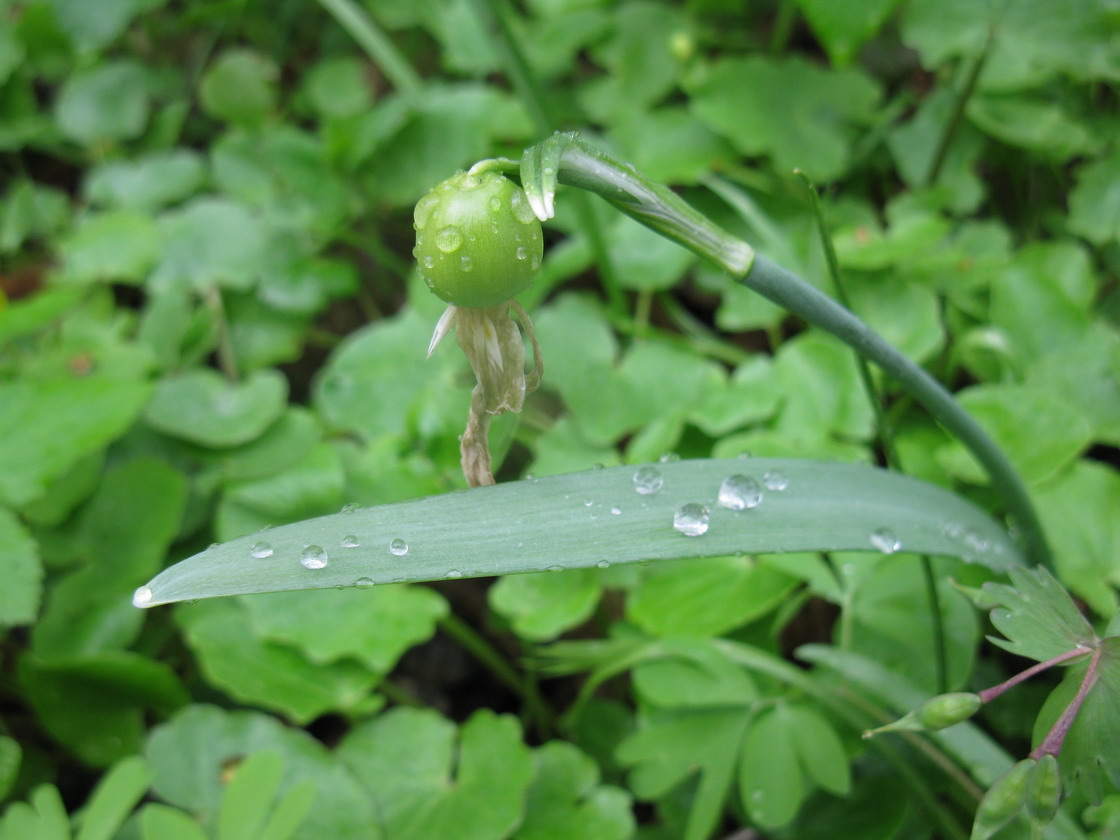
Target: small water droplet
647	481
423	211
669	458
976	542
884	540
350	508
740	492
775	480
350	541
313	557
495	204
745	454
142	597
556	568
260	551
429	261
588	502
449	239
466	263
603	564
548	170
363	583
691	519
535	262
616	511
398	547
453	574
521	253
522	211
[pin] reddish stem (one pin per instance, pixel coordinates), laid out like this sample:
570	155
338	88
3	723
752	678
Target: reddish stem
1052	743
989	694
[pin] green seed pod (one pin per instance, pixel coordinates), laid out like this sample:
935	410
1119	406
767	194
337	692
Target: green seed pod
1004	800
1046	791
936	713
478	242
946	709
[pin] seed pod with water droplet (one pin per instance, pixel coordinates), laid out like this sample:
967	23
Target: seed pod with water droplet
478	243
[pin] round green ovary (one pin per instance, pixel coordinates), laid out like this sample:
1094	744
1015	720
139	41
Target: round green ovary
477	241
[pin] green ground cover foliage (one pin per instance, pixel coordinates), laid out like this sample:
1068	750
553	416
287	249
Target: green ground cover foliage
212	330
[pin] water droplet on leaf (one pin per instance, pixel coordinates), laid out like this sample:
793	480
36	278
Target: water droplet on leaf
603	564
775	480
260	551
884	540
616	511
363	583
350	541
142	597
691	519
398	547
453	574
647	481
313	557
740	492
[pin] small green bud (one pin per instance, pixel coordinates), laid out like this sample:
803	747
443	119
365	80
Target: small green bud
478	243
938	712
1004	800
1045	791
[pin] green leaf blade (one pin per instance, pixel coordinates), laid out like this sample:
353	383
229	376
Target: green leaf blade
568	522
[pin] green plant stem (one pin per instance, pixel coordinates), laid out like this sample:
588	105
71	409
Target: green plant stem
376	44
886	436
478	647
1052	743
990	694
803	300
493	14
227	359
946	140
702	338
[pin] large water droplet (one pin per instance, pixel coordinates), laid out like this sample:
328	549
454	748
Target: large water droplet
398	547
884	540
522	211
423	211
775	480
449	239
740	492
691	519
142	597
350	541
647	481
313	557
453	574
260	551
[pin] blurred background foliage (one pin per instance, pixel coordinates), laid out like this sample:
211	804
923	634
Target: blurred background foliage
209	325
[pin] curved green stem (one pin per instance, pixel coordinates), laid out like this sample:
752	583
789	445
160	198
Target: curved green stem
794	294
